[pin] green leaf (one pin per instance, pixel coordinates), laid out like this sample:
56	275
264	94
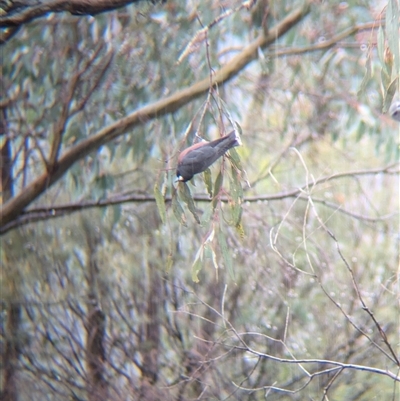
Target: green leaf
169	263
389	95
217	188
208	181
101	184
226	255
367	77
239	128
235	159
360	130
117	209
178	211
236	192
197	264
186	196
160	203
74	132
392	31
381	46
385	77
207	213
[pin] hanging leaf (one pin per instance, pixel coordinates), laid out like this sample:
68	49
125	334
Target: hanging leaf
391	90
235	159
207	213
392	32
367	77
186	196
169	263
178	211
236	191
381	46
210	254
117	209
197	264
226	255
240	229
208	181
160	203
217	187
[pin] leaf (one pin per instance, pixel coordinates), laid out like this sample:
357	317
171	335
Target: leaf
385	77
74	132
391	90
360	130
178	211
160	203
392	31
240	230
186	196
381	46
239	128
236	191
197	264
210	254
235	159
217	188
226	255
207	213
101	184
169	263
367	77
117	209
208	181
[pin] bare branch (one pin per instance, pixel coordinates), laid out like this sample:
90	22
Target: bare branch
28	12
53	211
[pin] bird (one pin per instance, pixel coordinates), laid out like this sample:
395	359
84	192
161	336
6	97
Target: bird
198	157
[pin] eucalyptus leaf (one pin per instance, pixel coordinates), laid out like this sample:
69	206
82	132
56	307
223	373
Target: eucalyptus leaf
178	211
160	203
389	95
392	32
217	188
117	211
226	254
208	181
186	196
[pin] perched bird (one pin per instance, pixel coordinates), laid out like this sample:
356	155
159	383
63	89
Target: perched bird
198	157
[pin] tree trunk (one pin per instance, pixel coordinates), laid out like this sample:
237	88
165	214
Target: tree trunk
9	386
96	325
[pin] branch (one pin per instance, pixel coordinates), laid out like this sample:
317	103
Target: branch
329	366
326	44
170	104
340	365
28	12
51	211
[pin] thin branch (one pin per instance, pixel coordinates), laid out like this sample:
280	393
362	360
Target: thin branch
363	304
337	366
28	12
326	44
53	211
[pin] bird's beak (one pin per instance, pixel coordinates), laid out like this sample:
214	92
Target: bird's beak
176	181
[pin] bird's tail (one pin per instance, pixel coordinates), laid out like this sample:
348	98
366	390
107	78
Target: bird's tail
226	142
236	135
